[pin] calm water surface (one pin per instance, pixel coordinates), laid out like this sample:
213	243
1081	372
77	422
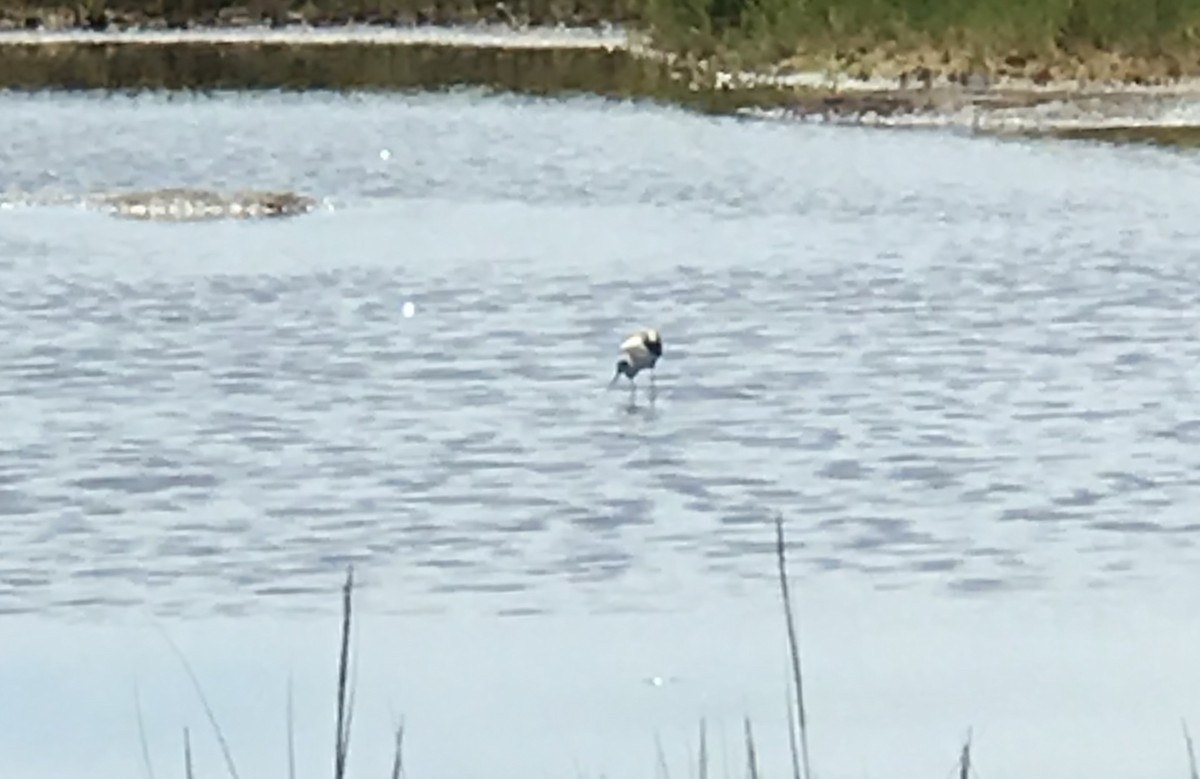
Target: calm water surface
964	370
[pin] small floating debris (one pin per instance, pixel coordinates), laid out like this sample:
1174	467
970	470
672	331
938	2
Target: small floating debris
659	681
186	204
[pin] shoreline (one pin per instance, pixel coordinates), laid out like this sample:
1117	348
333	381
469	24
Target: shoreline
853	57
609	61
475	35
133	15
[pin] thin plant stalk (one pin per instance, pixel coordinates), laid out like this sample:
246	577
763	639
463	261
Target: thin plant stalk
340	744
794	649
691	760
793	748
726	773
351	697
702	772
398	758
1191	752
661	756
291	732
208	712
751	752
187	755
964	759
141	726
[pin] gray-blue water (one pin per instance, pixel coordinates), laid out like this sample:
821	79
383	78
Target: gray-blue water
964	370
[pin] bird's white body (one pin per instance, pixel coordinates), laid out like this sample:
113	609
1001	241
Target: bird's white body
639	352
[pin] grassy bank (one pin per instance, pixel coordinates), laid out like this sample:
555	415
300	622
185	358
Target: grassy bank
1042	40
1144	41
925	50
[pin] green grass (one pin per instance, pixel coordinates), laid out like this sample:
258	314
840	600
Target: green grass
772	29
751	31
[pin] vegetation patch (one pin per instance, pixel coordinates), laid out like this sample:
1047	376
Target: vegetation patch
1042	41
1145	41
945	57
1184	137
159	14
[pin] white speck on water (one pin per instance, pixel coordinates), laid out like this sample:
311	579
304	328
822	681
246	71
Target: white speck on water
385	154
408	310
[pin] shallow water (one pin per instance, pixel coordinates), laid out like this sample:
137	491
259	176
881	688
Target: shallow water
964	370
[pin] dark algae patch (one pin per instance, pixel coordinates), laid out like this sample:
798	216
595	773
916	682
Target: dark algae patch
1185	136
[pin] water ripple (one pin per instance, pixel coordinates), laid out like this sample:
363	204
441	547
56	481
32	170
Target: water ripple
968	384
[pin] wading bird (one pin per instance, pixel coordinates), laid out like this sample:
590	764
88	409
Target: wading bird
639	351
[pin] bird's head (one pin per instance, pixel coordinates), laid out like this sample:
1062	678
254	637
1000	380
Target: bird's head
654	342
